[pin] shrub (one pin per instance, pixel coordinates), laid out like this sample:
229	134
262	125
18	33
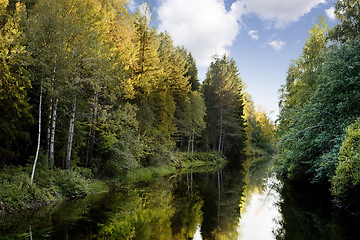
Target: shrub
346	182
71	184
17	193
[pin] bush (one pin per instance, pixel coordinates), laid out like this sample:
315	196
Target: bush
17	193
346	182
71	184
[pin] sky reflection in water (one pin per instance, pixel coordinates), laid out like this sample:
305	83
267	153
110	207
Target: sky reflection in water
261	213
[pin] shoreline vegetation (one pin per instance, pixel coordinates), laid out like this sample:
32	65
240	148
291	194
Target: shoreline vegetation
16	192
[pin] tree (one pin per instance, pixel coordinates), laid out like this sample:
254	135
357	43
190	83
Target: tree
113	54
64	51
14	82
348	12
298	117
259	129
193	122
267	129
48	38
192	72
223	96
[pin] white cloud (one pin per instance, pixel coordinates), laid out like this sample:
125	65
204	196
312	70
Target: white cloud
277	44
331	13
204	27
280	12
132	5
254	34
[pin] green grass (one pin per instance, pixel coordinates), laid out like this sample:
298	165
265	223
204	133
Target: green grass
183	162
16	192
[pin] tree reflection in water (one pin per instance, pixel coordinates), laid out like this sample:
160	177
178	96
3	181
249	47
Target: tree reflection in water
246	201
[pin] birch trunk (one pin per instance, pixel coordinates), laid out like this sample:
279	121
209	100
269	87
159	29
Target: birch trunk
52	137
91	136
192	144
49	129
71	133
48	140
221	130
39	135
189	142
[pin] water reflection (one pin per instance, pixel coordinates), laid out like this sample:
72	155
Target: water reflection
238	202
259	212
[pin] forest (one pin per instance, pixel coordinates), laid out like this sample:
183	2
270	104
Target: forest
318	127
90	90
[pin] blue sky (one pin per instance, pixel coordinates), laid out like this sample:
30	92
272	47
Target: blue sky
262	36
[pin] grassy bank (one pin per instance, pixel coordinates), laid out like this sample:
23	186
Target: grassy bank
183	162
17	193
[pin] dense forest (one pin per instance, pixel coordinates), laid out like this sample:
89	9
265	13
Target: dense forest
89	86
318	127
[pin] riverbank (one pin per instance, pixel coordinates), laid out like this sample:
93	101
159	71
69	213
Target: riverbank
17	193
184	162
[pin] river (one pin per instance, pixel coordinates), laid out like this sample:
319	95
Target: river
247	201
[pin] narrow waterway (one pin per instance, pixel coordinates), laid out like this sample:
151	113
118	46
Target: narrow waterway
247	201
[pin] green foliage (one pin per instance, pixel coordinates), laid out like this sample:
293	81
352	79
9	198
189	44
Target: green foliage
148	216
259	129
120	145
15	115
301	139
191	122
70	183
318	103
192	72
147	173
348	12
17	193
223	89
346	181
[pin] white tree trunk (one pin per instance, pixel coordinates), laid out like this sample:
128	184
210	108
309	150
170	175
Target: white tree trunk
39	135
91	135
52	132
49	129
71	134
192	143
221	129
48	140
189	143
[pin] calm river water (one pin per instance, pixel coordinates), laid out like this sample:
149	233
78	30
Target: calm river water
238	202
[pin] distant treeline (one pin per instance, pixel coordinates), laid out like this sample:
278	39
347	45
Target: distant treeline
319	126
